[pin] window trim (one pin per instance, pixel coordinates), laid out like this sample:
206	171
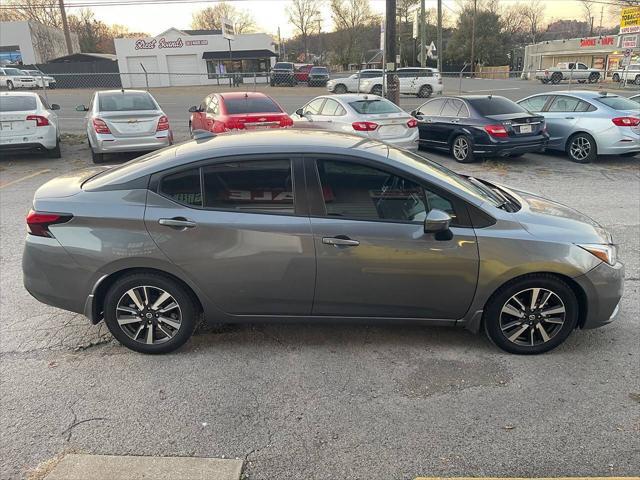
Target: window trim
443	99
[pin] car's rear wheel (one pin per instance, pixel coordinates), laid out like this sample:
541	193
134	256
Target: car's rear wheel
377	90
582	81
340	89
10	85
150	313
462	149
556	78
637	81
594	77
425	91
533	314
55	152
581	148
97	157
615	77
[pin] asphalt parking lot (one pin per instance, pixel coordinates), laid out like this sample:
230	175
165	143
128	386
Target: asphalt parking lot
326	401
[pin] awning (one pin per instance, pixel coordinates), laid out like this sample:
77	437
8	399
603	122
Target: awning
238	54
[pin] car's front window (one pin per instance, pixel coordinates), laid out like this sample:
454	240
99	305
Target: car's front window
125	101
13	71
618	103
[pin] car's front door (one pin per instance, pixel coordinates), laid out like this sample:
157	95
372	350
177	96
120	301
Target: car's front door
373	257
239	229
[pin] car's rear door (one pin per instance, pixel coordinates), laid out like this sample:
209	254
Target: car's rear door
561	117
373	257
239	228
427	116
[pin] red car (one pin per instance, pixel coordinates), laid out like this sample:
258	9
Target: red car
221	112
302	73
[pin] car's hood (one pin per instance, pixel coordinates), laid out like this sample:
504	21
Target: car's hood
545	218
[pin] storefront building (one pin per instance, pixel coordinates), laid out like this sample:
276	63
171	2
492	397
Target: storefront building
194	57
605	52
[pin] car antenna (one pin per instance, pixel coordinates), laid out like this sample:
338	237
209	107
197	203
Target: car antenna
246	95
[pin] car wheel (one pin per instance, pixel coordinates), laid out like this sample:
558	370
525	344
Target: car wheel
544	81
377	90
150	313
55	152
10	85
340	89
425	91
637	81
97	157
533	314
556	78
581	148
594	77
616	77
462	150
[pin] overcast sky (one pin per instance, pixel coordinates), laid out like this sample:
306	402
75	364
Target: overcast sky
271	14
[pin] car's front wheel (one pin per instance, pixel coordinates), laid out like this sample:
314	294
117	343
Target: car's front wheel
55	151
10	85
150	313
637	81
594	77
533	314
377	90
616	77
340	89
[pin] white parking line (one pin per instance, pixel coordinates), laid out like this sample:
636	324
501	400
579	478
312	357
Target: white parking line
40	172
493	90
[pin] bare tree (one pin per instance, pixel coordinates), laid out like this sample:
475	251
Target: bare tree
45	12
533	14
350	18
305	16
589	10
210	18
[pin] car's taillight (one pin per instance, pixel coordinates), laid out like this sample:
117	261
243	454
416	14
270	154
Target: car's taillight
286	122
413	123
163	124
38	223
39	119
626	121
100	126
364	126
496	130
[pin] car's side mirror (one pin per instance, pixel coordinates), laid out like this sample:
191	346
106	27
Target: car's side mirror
437	221
300	112
414	113
194	109
82	108
55	106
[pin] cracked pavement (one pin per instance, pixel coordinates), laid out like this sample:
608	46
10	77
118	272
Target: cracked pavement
330	401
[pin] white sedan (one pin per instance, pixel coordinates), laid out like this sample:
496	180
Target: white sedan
28	123
366	115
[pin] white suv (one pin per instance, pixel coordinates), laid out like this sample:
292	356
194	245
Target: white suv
11	78
422	82
350	84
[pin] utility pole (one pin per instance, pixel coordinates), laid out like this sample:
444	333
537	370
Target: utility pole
320	40
440	52
65	27
423	34
473	37
279	45
393	93
601	15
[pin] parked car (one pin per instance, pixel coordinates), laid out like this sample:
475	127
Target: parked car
569	71
313	225
318	77
635	98
585	124
283	73
28	123
350	83
302	72
630	74
12	78
364	115
125	121
422	82
473	126
221	112
42	80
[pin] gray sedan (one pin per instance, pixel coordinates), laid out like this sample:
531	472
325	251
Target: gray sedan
585	124
125	121
313	225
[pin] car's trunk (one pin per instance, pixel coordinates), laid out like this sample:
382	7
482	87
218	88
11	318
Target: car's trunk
67	184
257	121
520	124
131	123
15	124
390	125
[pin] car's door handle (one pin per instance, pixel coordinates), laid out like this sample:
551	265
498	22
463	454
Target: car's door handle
177	222
340	241
570	118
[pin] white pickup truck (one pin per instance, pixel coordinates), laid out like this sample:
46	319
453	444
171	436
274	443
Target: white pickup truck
569	71
630	74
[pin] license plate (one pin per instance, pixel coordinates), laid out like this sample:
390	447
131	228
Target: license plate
5	126
525	128
391	130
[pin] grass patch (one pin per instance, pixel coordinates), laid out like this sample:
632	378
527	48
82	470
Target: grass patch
73	138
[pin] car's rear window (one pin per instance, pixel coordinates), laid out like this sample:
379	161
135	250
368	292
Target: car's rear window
17	103
618	103
283	65
495	106
237	106
127	101
372	107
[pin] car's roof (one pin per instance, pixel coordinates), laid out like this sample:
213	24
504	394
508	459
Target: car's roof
470	97
239	95
584	94
353	97
122	91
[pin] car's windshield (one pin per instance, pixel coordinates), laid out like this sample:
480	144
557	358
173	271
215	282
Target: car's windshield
618	103
288	66
13	71
17	103
32	72
125	101
236	106
495	106
374	106
319	70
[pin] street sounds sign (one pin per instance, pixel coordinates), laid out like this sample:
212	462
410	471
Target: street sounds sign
630	20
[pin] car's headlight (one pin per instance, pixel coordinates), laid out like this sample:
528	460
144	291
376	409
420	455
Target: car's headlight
606	253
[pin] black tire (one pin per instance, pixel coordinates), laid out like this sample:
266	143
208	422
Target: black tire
556	78
377	90
544	81
582	148
272	83
55	152
340	89
594	77
425	91
10	85
515	155
582	81
501	326
637	80
97	157
615	77
458	151
187	310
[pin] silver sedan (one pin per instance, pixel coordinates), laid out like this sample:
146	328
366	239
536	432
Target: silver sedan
365	115
586	124
125	121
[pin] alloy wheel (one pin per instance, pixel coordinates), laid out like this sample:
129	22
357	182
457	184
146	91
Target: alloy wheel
532	317
148	315
580	148
460	148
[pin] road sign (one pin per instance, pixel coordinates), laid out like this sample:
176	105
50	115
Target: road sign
432	47
627	52
228	30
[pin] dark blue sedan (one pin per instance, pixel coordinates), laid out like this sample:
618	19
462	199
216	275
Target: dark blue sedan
472	126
